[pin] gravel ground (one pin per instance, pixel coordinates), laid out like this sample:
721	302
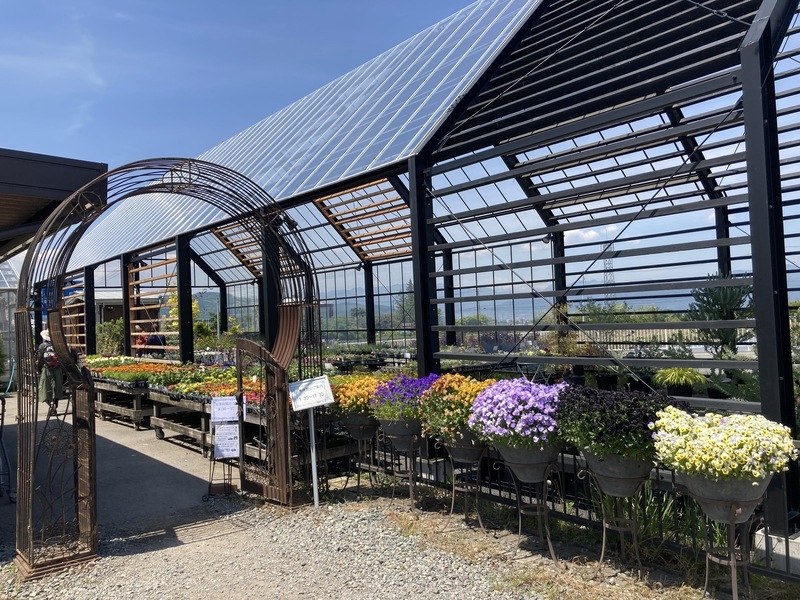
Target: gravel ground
374	548
237	551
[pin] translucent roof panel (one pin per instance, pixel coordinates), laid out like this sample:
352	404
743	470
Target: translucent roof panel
379	113
9	278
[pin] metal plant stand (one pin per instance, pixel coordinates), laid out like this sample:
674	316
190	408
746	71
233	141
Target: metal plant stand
363	433
730	555
537	507
465	466
618	518
406	444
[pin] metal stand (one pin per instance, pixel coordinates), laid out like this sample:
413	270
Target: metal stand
729	555
364	435
224	487
537	507
6	488
464	473
617	519
408	446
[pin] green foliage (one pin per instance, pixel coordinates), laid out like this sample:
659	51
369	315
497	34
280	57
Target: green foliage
592	311
678	377
678	347
721	303
110	337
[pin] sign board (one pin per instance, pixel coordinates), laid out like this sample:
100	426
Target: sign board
310	393
223	408
226	440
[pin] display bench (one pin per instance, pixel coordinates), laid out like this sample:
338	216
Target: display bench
331	444
125	400
182	416
192	419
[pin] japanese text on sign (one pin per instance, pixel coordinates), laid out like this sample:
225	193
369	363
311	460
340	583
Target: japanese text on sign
310	393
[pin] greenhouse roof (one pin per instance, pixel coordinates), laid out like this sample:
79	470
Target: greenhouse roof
376	116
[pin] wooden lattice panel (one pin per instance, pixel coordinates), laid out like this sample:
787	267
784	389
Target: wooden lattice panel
240	239
73	314
373	219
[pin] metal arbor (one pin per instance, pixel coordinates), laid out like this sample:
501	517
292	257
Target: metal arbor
56	503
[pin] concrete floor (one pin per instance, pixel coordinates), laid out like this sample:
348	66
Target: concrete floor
139	479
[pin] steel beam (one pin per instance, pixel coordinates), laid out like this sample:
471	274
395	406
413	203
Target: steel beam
766	225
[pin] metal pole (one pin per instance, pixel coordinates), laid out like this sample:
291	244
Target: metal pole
314	481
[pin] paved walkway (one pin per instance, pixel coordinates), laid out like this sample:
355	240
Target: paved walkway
139	478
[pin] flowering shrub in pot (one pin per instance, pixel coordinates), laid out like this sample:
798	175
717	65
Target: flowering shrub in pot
396	404
612	430
517	416
446	406
723	459
352	394
399	396
445	409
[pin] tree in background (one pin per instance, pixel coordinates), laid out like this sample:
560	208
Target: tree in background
110	337
404	313
722	303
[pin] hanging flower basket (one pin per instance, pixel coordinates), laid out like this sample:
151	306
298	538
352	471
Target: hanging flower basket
464	446
529	465
402	432
726	500
618	476
360	426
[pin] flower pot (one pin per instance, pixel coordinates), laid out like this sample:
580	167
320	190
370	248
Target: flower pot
618	476
724	500
465	448
401	432
643	384
606	381
680	390
360	426
529	465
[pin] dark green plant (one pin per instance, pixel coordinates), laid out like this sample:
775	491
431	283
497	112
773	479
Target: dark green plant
678	347
610	422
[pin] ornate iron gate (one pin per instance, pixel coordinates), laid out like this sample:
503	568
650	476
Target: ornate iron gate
56	495
264	422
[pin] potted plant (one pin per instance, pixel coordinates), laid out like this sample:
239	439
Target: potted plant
679	381
351	403
612	430
517	416
723	459
396	404
445	409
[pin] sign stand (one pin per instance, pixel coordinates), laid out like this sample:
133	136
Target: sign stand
225	429
306	395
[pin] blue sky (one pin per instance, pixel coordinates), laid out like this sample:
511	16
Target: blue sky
115	82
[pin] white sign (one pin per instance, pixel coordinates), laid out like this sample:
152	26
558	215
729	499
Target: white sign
223	408
226	440
310	393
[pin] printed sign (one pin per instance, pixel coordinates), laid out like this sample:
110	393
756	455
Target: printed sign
223	408
226	440
310	393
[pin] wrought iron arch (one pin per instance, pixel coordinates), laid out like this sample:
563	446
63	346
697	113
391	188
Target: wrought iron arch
56	506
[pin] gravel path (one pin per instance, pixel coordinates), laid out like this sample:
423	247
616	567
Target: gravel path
239	551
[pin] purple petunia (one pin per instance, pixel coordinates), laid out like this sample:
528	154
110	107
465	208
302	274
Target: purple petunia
399	397
517	411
